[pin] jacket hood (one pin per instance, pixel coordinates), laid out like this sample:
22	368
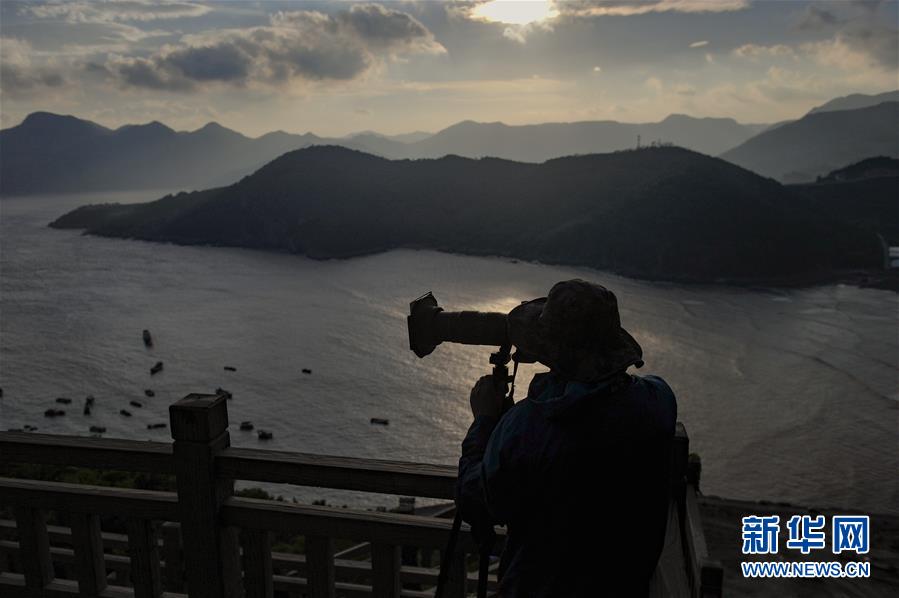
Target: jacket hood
558	398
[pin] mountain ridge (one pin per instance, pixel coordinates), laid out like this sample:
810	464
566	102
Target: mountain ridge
661	213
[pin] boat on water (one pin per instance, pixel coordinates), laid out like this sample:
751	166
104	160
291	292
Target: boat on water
148	339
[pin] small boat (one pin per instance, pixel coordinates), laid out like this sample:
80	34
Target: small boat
54	412
307	371
30	428
380	421
246	426
97	429
156	368
224	393
63	400
265	435
148	340
125	412
89	400
149	393
135	403
156	426
230	368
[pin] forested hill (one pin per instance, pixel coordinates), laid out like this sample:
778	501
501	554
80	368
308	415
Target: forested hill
660	213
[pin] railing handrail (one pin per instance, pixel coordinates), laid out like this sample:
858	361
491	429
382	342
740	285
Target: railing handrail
344	473
84	451
392	528
83	498
258	465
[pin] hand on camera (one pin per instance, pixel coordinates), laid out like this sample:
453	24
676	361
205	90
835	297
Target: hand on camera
487	397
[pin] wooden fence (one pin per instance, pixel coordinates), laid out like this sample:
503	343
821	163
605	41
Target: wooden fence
208	543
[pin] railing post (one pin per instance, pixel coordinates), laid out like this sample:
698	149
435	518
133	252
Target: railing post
257	563
320	565
34	547
144	552
174	557
385	570
87	540
680	450
199	425
694	470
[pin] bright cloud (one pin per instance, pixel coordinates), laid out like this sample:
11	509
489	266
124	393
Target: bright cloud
515	12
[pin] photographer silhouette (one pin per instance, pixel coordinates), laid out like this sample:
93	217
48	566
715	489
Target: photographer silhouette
579	469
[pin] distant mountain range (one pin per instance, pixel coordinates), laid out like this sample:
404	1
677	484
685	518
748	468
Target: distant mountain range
856	101
820	142
661	213
538	143
49	153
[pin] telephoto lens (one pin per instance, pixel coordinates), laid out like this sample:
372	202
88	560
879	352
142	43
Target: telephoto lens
430	325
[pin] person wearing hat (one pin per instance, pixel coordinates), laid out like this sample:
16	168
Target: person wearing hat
579	470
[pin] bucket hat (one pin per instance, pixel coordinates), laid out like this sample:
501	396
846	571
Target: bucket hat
576	331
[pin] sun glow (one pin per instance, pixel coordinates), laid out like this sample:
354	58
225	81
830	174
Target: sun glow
515	12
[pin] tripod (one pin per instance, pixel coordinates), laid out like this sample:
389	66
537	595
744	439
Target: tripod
484	534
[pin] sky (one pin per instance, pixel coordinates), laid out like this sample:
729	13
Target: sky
339	67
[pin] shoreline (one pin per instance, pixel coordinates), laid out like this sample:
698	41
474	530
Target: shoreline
887	280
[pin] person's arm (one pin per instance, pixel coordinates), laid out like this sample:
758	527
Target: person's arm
478	493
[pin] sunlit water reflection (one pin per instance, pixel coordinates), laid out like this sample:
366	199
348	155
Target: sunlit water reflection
787	395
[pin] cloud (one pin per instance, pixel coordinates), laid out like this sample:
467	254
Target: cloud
754	51
110	11
516	34
595	8
879	42
857	50
305	45
816	18
862	31
18	75
699	44
383	27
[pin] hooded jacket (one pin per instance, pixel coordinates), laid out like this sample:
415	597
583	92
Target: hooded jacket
579	473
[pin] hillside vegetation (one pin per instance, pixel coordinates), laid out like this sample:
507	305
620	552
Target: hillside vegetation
660	213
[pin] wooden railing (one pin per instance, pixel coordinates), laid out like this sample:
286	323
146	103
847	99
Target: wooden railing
205	541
